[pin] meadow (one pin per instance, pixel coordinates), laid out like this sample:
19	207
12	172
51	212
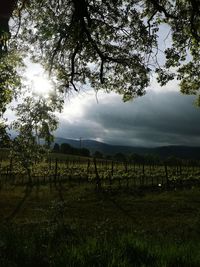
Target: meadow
74	213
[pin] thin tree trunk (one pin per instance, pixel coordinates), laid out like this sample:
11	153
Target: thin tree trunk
6	10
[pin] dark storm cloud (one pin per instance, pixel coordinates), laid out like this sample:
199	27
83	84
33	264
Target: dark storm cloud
152	120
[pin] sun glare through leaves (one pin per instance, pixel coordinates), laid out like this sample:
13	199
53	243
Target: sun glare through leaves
41	86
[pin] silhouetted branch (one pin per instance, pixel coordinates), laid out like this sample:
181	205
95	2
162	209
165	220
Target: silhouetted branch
195	13
103	56
73	65
20	16
55	52
101	71
161	9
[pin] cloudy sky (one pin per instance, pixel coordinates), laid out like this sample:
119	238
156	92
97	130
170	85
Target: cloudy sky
162	117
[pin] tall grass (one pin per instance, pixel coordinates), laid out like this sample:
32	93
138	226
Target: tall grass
56	245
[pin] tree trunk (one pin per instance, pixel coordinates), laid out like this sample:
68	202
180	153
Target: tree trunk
6	10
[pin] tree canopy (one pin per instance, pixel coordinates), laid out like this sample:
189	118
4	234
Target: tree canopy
113	45
110	45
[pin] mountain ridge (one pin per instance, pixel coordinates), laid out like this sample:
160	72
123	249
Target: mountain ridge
186	152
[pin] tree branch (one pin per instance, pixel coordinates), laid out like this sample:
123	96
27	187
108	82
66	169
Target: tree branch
20	17
55	52
101	72
103	56
161	9
81	11
6	11
195	13
73	65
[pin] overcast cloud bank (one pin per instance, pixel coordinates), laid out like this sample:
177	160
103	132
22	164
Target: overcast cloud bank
156	119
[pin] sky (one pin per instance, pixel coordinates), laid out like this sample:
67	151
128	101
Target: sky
162	117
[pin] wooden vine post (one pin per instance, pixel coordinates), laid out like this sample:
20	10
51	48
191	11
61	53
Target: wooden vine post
166	175
98	180
112	169
56	170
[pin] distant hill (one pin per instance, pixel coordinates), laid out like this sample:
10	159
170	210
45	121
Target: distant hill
163	152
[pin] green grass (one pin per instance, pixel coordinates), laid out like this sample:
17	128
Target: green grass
71	225
61	245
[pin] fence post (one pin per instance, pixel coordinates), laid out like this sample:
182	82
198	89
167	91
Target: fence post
125	166
50	163
143	174
112	168
180	168
88	168
11	164
152	182
56	170
166	175
98	181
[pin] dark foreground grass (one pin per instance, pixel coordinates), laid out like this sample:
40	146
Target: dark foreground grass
69	225
58	245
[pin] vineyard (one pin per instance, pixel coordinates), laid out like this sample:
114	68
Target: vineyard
102	173
141	214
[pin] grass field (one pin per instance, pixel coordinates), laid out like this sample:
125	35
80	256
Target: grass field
73	225
135	218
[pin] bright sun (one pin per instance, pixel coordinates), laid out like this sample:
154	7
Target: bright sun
41	86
